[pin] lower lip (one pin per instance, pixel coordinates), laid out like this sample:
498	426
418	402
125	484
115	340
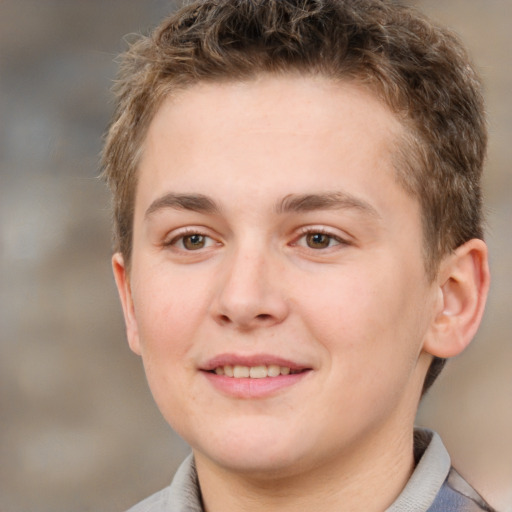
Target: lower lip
253	388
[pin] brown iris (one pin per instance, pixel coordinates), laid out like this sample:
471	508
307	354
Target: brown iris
194	242
318	240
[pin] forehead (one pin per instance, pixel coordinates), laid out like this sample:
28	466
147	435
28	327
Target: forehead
278	134
294	102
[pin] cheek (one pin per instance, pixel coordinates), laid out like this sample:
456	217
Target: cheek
366	319
370	334
168	309
169	312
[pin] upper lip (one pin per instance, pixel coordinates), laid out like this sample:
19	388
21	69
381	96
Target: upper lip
251	360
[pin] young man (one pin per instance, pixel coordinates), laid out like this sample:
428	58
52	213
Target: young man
299	248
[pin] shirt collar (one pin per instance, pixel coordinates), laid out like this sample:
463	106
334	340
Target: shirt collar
419	493
428	476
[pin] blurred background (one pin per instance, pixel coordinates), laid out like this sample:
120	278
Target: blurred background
78	427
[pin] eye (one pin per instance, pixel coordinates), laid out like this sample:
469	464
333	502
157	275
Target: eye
319	240
192	242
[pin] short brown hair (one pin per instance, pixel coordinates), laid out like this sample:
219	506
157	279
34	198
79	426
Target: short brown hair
420	71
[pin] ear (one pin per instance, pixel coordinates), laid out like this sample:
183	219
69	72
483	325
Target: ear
463	283
125	294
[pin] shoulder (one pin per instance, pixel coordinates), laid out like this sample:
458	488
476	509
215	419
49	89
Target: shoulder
155	503
435	486
182	495
458	495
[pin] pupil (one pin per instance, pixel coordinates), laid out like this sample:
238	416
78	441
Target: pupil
317	240
194	241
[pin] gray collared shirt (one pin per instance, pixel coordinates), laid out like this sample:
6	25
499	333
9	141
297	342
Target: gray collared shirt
434	485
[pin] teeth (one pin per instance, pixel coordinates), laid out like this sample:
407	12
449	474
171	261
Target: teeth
253	372
258	372
240	372
273	370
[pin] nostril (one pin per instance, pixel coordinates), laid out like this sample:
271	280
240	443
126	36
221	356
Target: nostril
263	316
224	319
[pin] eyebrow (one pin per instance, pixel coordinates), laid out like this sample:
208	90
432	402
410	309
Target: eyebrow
291	203
192	202
325	201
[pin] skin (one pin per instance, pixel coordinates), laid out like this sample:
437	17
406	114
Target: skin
334	284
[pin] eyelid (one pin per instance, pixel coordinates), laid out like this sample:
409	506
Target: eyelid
342	239
175	235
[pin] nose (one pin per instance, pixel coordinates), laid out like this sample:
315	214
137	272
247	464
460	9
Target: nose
251	293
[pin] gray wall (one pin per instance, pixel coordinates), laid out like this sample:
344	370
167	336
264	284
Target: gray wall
78	428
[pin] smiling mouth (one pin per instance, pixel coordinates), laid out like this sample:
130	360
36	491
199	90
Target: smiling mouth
254	372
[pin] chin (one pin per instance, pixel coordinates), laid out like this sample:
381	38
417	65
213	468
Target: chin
261	465
259	451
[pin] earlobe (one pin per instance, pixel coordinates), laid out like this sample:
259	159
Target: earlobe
463	285
125	294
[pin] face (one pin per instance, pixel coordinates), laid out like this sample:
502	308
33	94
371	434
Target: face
277	292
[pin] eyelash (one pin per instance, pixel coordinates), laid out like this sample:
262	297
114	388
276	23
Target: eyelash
188	233
306	231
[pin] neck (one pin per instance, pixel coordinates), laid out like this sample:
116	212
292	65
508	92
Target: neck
384	465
